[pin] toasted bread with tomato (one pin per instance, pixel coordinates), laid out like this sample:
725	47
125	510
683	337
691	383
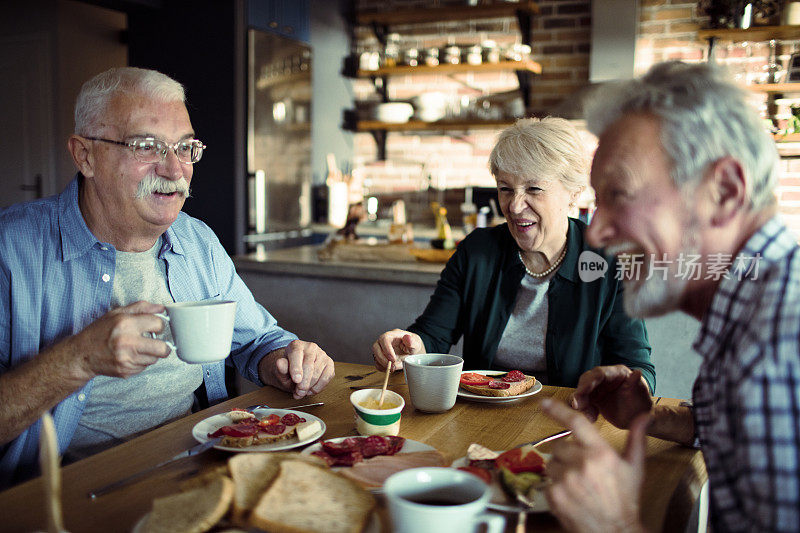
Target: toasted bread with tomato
483	385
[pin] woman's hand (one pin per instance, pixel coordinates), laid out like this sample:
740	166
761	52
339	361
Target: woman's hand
393	345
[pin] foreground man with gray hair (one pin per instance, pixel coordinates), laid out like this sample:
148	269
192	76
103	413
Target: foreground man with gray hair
684	175
82	275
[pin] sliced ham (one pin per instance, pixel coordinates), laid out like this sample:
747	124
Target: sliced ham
373	472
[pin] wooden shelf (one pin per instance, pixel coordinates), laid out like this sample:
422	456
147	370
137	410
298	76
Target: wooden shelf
265	83
756	33
775	87
786	138
446	68
441	14
442	125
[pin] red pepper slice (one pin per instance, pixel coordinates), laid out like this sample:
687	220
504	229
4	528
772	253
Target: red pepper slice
473	378
521	460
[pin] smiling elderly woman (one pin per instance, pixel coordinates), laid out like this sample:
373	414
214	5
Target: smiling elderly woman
514	291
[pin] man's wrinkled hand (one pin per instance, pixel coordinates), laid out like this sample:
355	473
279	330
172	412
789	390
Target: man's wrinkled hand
617	392
118	344
593	488
303	369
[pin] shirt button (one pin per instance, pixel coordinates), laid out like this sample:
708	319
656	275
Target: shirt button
208	373
104	248
106	277
81	397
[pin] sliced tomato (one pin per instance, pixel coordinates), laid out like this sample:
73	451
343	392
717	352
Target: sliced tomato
519	460
482	473
473	378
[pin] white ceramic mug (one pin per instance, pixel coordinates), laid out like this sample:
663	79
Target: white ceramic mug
432	380
202	331
439	500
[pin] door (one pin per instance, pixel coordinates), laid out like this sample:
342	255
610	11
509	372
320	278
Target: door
26	161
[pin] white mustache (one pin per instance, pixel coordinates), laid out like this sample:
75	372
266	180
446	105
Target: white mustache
154	183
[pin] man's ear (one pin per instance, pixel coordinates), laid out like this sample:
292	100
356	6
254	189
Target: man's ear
727	186
81	151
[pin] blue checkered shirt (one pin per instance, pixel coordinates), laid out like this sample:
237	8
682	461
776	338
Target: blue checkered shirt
56	278
747	393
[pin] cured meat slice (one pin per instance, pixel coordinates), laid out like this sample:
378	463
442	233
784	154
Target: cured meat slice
374	445
346	459
374	471
395	444
513	376
274	429
497	384
291	419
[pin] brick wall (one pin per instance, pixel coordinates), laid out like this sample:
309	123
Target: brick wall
560	38
668	30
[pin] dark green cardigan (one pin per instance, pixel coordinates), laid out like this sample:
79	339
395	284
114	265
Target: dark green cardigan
586	325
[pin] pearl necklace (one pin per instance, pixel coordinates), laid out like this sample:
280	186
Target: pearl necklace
546	272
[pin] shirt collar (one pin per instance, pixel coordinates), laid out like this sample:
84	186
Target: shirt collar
76	238
769	245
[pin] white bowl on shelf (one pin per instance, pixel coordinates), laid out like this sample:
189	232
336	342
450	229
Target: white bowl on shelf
394	112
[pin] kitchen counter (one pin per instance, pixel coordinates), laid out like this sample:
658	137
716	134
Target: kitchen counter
303	261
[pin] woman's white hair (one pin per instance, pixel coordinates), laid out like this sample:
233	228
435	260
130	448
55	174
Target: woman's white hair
542	147
95	95
703	117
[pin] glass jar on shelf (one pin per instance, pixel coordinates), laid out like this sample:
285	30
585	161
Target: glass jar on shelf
518	52
432	57
474	55
452	54
411	57
391	52
490	51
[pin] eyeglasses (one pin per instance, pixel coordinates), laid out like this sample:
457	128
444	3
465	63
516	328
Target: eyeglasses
149	150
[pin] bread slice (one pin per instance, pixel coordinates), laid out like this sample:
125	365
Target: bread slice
252	473
194	511
308	499
517	387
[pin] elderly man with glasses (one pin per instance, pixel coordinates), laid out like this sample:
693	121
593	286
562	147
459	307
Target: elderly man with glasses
83	274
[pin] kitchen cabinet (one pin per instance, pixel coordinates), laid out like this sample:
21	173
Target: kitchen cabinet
381	22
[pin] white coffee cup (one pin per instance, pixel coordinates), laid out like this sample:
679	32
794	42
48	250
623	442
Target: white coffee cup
202	331
439	500
432	380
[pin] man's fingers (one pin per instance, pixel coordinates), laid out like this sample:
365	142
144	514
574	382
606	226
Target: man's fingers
582	430
294	354
142	307
637	441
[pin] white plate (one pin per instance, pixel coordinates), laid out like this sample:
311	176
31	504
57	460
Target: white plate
201	430
499	501
496	399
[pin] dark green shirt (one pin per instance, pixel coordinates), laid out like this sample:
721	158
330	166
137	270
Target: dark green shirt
586	325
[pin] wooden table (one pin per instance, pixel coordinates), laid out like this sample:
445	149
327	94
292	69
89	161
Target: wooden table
674	474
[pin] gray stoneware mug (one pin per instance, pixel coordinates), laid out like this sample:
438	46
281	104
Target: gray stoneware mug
433	380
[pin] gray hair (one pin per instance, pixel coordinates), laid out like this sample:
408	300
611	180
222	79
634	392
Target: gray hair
545	147
703	117
95	95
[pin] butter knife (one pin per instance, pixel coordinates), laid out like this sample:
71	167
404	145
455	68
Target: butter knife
549	438
194	450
